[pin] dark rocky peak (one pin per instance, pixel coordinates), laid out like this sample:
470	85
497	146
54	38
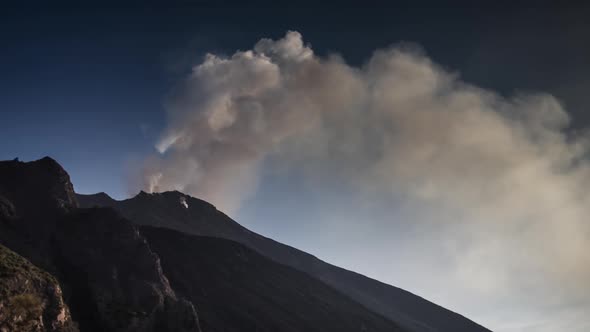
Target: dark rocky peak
111	278
172	209
37	188
172	199
159	200
100	199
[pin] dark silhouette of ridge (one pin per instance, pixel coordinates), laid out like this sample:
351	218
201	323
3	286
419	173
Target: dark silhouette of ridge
238	290
119	276
201	218
111	279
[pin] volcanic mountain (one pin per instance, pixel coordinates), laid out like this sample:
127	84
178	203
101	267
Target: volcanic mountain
189	215
172	263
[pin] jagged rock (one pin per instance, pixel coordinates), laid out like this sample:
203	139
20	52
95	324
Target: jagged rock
112	280
30	298
116	279
37	187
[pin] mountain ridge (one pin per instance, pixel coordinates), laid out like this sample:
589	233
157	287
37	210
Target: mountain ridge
117	275
202	218
237	272
111	279
30	299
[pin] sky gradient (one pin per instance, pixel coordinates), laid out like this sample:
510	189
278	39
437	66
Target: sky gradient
99	89
106	70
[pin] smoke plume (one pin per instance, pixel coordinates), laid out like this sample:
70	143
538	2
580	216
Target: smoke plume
502	177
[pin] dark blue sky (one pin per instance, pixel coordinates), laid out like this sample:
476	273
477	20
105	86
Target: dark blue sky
86	84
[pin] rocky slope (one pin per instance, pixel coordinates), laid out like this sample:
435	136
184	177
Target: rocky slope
111	279
181	212
30	298
118	276
239	290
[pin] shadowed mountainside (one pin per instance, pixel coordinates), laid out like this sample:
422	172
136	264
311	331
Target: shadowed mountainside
112	281
239	290
167	210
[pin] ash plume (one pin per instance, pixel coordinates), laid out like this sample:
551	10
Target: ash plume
502	177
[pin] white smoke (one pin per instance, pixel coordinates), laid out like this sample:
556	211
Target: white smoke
183	202
500	174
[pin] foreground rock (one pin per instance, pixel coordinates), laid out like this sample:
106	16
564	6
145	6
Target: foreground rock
30	298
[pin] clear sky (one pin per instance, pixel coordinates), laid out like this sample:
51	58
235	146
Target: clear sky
91	87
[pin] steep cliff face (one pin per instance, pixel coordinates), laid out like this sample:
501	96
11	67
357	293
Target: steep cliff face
30	298
33	196
112	280
37	187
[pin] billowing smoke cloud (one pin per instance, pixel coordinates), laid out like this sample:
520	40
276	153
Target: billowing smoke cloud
501	175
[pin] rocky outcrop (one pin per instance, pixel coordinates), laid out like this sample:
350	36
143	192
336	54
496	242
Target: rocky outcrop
111	279
119	276
33	196
30	298
239	290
